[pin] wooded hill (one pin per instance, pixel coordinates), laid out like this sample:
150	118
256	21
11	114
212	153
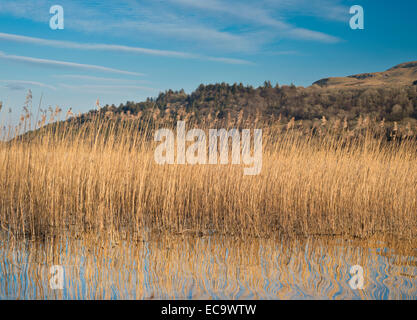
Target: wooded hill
390	95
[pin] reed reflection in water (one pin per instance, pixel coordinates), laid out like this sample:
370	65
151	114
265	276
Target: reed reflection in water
185	267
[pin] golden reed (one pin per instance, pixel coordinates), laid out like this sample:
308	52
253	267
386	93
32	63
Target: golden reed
99	175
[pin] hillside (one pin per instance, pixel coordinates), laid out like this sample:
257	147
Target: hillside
389	95
400	75
394	106
391	108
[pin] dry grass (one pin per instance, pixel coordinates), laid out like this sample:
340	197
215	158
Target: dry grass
101	177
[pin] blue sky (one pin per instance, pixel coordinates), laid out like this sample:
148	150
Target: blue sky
133	49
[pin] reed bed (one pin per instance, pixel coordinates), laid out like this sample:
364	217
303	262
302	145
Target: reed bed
99	176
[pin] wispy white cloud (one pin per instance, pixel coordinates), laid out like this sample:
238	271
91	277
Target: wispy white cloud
259	16
57	63
128	18
229	60
23	84
22	8
333	10
284	53
217	25
201	35
116	48
99	79
88	46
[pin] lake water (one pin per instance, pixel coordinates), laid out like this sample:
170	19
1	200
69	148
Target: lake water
185	267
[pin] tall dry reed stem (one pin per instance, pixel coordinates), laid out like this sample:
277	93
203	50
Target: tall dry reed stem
100	176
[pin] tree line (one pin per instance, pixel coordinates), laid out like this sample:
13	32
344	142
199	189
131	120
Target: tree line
287	103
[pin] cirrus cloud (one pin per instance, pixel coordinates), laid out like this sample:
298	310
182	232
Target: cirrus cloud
64	64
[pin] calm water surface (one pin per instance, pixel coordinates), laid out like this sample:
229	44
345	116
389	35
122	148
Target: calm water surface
207	268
